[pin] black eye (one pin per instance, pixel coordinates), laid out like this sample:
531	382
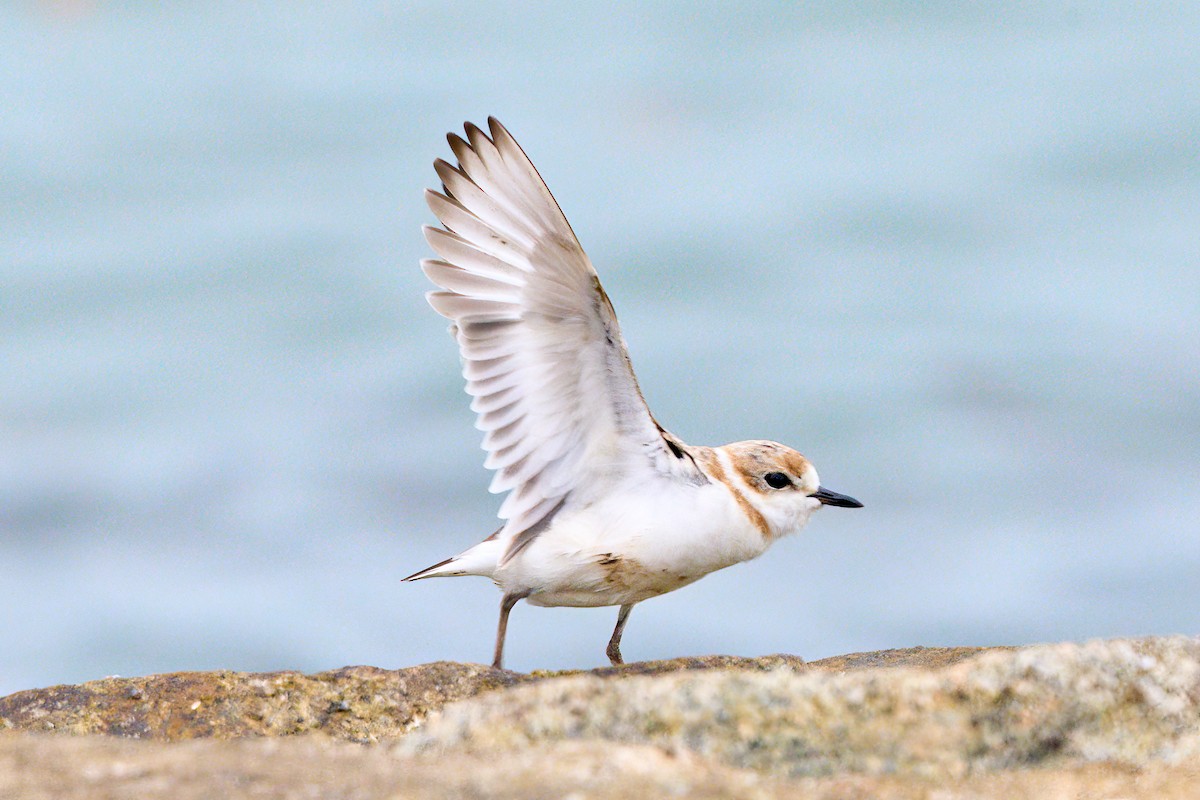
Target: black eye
777	480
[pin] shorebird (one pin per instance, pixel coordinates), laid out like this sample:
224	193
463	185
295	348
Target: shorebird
605	507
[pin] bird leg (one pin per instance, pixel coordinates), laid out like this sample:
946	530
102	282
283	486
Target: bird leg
506	605
613	651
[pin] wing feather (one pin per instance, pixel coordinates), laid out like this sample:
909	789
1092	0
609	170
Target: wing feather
461	281
456	250
486	208
469	227
460	307
498	418
543	356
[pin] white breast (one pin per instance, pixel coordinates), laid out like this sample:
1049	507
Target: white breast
655	538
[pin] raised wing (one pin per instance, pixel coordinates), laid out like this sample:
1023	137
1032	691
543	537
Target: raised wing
542	353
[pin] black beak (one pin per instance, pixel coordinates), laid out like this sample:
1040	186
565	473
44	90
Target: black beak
834	499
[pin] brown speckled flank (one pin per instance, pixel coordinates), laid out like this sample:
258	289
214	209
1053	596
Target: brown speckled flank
624	574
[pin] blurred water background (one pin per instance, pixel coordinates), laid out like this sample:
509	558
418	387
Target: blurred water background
949	251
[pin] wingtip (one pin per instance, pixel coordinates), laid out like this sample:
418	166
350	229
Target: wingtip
470	127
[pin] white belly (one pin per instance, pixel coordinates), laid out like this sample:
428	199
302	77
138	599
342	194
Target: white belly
647	544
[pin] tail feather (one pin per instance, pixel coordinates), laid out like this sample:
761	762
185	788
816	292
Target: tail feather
479	560
431	572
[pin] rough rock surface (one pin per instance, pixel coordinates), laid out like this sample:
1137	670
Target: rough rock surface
40	767
362	704
1099	720
1125	701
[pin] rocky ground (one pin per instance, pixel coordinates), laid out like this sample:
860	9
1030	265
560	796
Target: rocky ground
1116	719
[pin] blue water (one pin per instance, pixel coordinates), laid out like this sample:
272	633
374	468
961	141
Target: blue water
951	255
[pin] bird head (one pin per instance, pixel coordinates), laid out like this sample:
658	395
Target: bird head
781	484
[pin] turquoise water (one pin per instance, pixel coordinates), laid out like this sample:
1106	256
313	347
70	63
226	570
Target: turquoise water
953	256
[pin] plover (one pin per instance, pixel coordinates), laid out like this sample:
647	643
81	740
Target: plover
605	507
